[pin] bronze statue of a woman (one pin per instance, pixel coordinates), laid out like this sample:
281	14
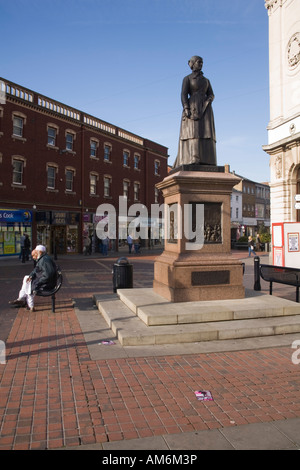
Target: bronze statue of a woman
197	139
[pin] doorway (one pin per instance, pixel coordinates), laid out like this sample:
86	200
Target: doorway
58	237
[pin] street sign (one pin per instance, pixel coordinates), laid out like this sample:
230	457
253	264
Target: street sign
297	205
297	197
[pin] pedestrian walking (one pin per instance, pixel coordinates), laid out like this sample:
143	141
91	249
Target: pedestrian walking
27	245
250	247
22	247
86	245
129	243
105	242
258	242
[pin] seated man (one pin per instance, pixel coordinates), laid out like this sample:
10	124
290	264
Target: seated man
43	277
25	295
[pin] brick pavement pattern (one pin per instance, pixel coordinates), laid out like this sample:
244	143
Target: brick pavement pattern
53	395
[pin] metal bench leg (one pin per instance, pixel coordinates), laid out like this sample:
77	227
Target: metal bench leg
271	288
53	303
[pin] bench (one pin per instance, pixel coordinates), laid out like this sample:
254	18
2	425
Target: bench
281	275
52	292
244	246
241	246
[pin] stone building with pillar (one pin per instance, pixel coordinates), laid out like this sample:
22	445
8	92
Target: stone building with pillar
284	127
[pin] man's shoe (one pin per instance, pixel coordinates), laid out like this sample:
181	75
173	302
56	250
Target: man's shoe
17	303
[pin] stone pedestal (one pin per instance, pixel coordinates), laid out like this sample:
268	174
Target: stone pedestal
188	270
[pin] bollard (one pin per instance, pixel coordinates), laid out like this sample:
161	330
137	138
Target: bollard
257	285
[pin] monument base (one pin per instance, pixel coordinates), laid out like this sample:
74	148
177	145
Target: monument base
184	272
188	278
198	167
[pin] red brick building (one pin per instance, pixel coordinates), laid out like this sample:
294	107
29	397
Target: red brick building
58	164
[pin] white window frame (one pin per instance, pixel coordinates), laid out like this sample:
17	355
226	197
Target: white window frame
136	161
136	191
69	142
71	172
93	184
51	138
94	144
107	180
53	177
126	185
15	172
107	152
126	157
18	129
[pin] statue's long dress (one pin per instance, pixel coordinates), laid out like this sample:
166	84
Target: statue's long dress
197	139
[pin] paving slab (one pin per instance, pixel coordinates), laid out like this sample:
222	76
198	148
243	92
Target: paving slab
278	435
258	436
290	428
149	443
201	440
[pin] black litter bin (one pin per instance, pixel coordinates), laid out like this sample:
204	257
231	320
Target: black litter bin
122	274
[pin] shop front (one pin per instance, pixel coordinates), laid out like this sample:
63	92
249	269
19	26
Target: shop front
14	224
58	231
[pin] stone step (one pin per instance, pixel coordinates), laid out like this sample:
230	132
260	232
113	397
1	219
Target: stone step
154	310
131	331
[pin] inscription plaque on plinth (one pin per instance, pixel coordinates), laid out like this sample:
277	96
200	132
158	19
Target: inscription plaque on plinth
210	278
192	269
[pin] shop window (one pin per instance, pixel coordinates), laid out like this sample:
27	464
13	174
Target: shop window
18	168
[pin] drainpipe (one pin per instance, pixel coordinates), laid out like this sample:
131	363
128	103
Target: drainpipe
82	187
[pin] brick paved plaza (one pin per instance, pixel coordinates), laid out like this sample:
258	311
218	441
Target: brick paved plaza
53	394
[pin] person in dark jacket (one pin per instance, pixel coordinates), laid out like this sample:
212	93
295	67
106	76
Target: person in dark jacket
44	275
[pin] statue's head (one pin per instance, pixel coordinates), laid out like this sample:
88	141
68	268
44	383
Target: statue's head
195	62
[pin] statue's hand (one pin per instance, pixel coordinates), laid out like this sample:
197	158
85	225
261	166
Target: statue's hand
187	112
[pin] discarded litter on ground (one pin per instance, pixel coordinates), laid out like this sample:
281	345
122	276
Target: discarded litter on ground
203	395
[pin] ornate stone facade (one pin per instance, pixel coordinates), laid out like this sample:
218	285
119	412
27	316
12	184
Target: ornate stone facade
284	126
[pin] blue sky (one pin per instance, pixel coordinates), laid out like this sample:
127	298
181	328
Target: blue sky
123	61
